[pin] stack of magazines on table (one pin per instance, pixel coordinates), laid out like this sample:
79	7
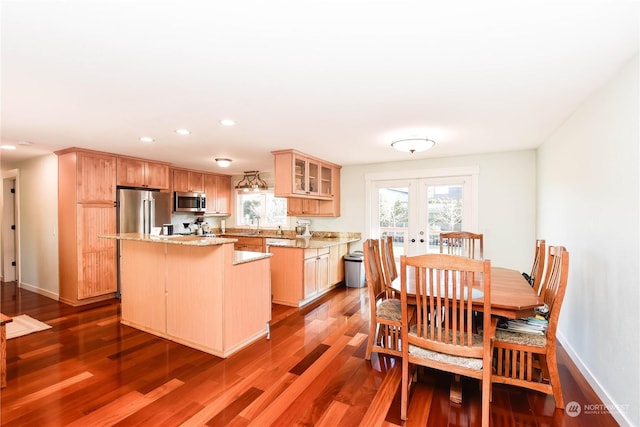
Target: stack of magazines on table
536	325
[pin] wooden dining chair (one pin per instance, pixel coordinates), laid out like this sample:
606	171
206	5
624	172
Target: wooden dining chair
462	243
389	268
385	313
529	360
466	244
535	277
441	334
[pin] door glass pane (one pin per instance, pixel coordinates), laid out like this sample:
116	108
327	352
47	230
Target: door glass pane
300	175
326	181
393	212
313	177
444	210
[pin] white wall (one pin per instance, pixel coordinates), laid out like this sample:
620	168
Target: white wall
506	187
38	214
588	189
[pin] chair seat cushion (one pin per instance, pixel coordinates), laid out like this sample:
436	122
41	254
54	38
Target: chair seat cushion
521	338
390	309
468	362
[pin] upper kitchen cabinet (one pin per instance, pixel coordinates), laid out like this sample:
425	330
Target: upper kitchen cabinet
297	206
188	181
92	176
86	209
142	174
218	191
299	176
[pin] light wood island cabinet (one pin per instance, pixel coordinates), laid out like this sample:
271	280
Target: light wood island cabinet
299	275
196	295
336	262
140	173
86	209
316	271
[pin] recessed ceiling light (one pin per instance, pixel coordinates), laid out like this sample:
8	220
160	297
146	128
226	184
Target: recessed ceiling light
182	131
146	139
8	147
227	122
25	143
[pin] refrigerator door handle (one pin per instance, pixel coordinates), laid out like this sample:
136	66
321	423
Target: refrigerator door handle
152	213
145	216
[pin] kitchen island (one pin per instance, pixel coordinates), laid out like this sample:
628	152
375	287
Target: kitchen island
197	291
304	269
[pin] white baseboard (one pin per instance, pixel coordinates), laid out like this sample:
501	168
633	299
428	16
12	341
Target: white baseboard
620	416
37	290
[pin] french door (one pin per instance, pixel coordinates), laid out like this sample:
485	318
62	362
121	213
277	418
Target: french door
415	211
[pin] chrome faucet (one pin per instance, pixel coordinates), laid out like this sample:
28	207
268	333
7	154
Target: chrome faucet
257	224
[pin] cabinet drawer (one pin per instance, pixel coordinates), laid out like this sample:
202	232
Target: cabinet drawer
314	253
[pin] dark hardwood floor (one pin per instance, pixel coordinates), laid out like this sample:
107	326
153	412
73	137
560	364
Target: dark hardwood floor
88	369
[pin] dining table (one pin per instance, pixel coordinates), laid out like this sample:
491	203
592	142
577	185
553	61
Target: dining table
511	296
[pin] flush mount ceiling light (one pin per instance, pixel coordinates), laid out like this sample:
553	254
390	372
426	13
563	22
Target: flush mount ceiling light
251	181
223	163
182	131
413	144
227	122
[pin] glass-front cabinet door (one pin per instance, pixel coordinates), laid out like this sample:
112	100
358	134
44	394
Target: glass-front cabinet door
314	169
300	175
326	176
309	178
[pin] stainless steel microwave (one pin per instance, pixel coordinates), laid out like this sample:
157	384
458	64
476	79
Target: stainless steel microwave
189	202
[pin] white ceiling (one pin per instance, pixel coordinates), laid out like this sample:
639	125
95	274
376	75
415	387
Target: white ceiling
336	79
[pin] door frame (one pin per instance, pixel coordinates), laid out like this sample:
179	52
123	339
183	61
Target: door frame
471	172
11	175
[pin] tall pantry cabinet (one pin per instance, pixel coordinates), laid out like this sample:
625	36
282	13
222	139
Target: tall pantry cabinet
86	209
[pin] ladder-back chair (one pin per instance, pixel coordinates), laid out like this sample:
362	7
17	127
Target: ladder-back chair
529	360
385	313
462	243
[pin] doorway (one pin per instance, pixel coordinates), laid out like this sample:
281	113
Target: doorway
417	207
9	242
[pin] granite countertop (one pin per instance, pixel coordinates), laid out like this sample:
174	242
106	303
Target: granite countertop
195	240
176	239
239	257
313	242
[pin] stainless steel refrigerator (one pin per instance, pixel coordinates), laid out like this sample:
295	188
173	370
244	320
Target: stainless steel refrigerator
138	211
